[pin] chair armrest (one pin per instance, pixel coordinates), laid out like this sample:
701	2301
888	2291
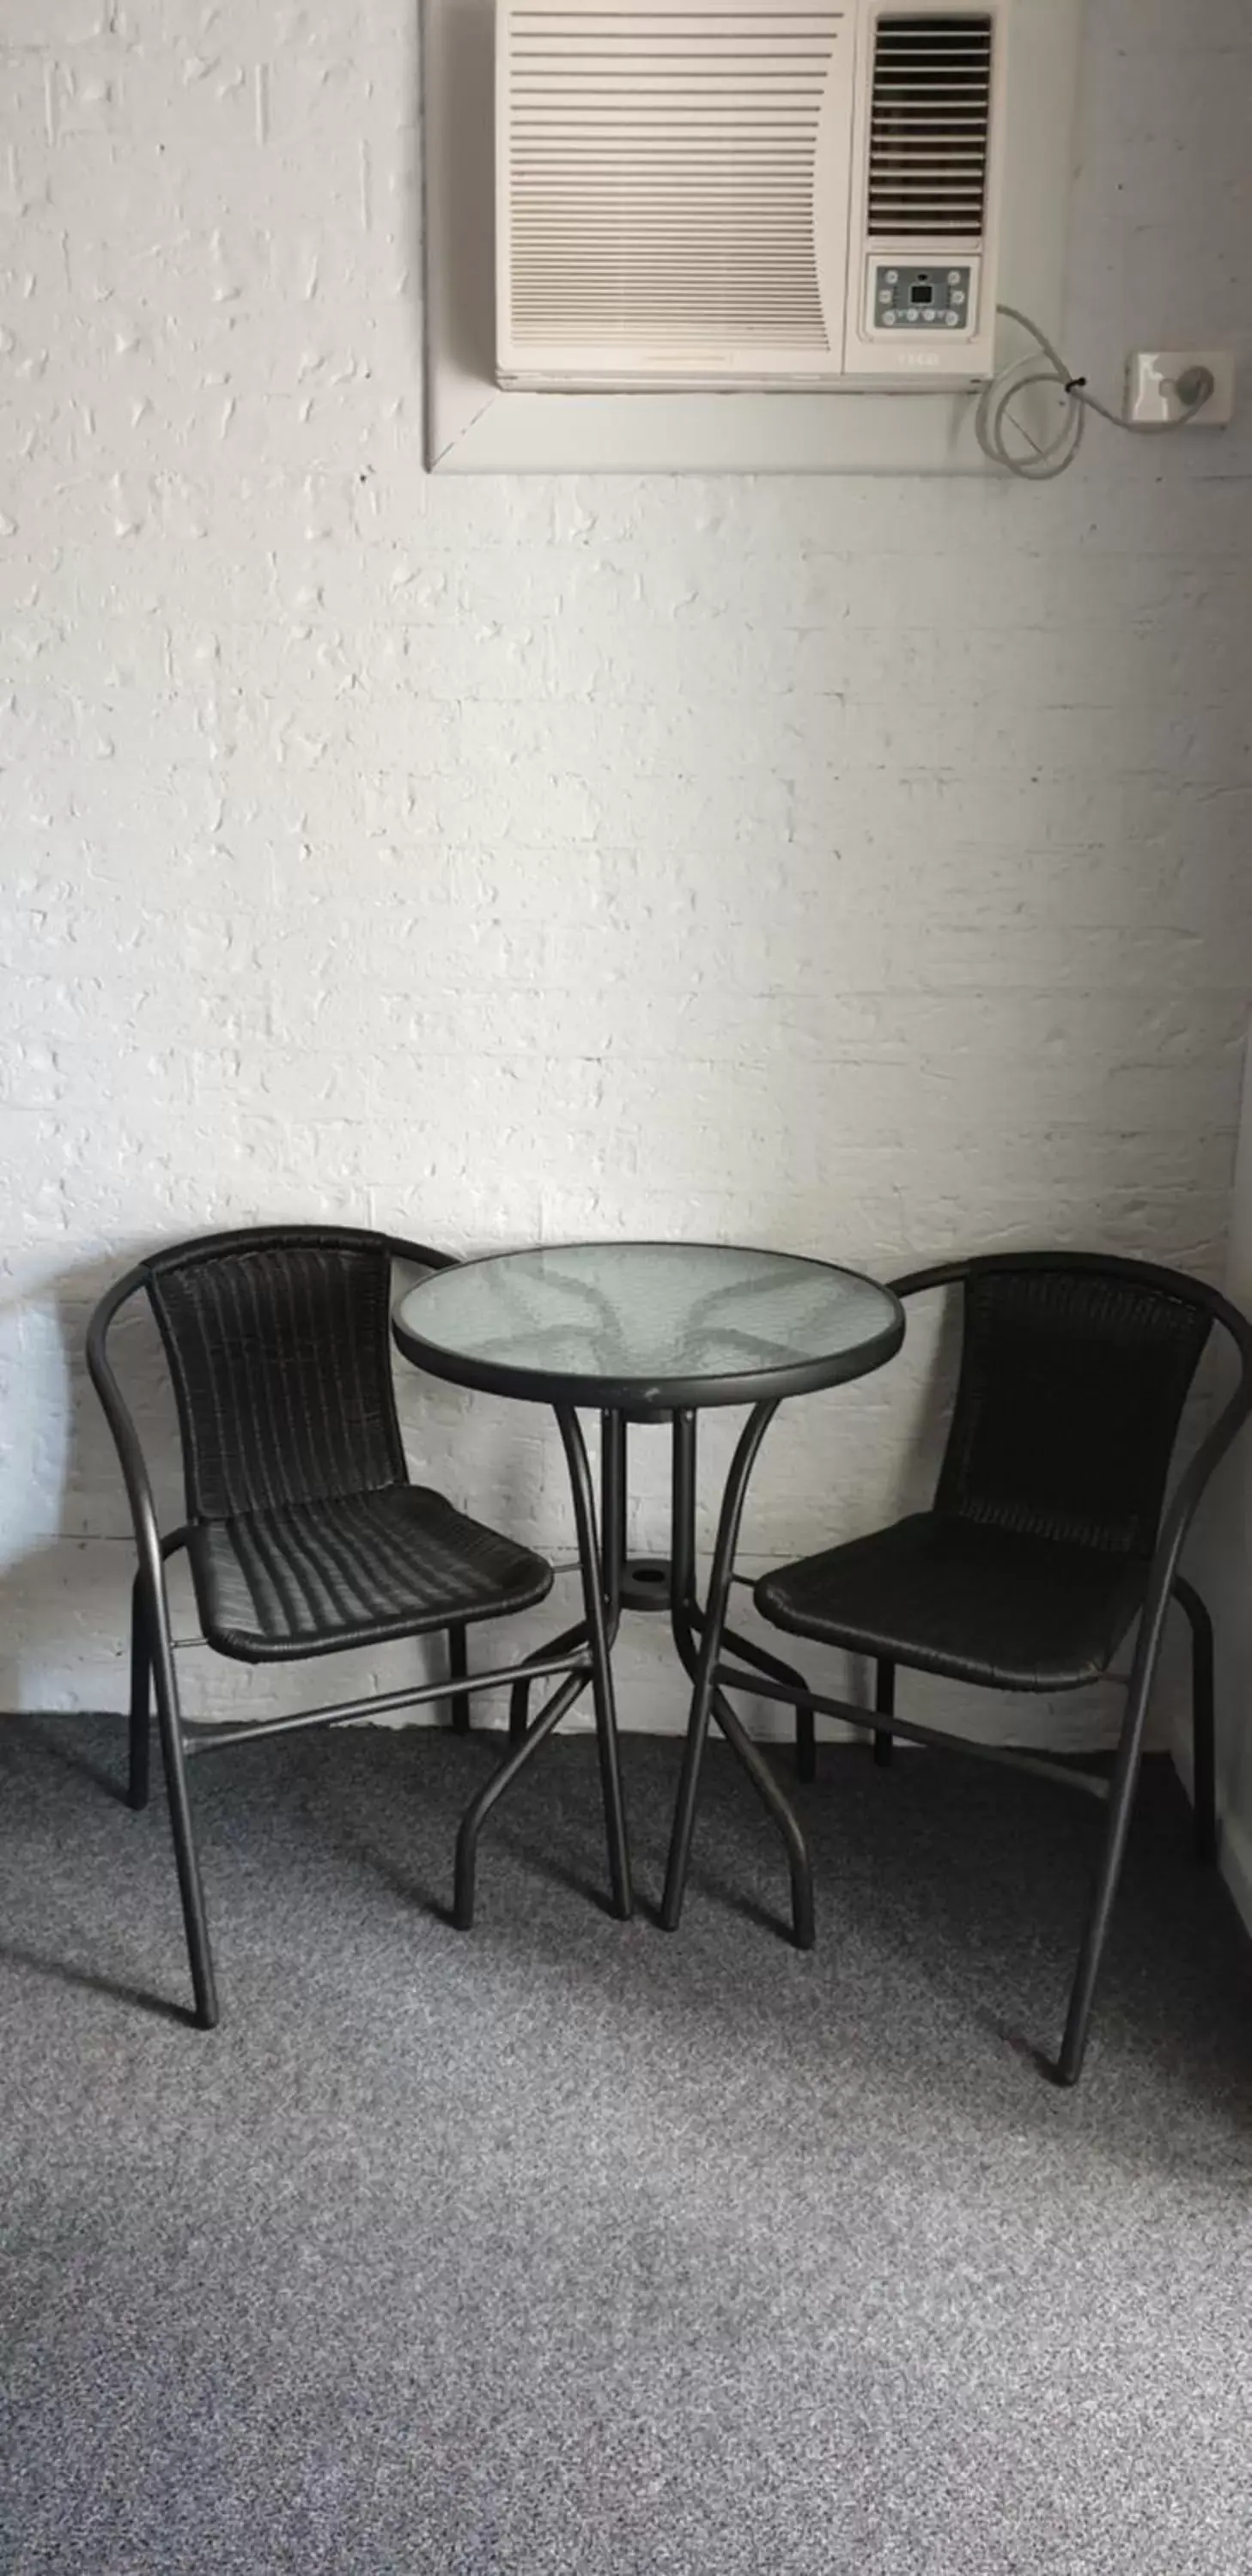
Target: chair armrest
940	1274
421	1256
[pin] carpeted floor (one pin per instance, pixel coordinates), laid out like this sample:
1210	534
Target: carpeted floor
567	2249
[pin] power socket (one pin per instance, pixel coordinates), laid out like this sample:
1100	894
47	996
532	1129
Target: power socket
1152	386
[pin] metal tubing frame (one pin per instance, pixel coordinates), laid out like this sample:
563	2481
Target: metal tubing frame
602	1573
152	1653
1203	1721
702	1662
1165	1583
1115	1791
884	1706
600	1641
152	1643
140	1725
1121	1798
613	1499
458	1671
502	1778
596	1633
138	1782
612	1554
216	1739
852	1714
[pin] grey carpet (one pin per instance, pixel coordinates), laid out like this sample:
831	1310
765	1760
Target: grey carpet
567	2248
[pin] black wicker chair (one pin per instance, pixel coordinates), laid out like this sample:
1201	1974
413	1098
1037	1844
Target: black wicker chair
303	1533
1046	1540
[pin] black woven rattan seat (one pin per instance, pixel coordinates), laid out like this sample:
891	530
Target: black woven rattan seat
303	1532
1049	1536
358	1570
1036	1556
978	1604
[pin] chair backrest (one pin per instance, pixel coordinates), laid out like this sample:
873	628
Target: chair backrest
278	1341
1073	1379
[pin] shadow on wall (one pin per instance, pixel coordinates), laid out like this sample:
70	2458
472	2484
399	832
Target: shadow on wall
66	1548
62	1542
471	75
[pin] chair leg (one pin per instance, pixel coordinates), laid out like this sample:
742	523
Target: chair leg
884	1706
1121	1801
749	1652
1203	1729
190	1888
806	1744
519	1712
458	1667
140	1700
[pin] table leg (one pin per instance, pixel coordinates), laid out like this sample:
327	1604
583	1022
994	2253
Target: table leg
682	1517
519	1697
613	1549
597	1630
599	1640
798	1863
701	1661
749	1652
502	1778
612	1515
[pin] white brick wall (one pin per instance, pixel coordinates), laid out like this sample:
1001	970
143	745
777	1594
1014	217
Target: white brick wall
862	867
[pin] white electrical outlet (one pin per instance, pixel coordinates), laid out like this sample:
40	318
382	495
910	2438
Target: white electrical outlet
1152	385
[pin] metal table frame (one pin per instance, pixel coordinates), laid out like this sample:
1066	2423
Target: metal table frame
611	1586
699	1632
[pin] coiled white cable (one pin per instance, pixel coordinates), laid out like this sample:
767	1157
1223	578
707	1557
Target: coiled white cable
1044	460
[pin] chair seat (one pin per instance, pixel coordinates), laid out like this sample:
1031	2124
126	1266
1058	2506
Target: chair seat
355	1570
954	1596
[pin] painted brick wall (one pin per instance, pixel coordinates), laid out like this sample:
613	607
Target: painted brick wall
852	866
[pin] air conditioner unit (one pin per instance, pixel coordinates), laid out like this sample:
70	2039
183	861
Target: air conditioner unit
763	195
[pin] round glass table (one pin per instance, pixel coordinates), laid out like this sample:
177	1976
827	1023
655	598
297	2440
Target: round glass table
647	1332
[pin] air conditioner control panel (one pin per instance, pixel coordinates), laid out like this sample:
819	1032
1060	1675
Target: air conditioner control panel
928	296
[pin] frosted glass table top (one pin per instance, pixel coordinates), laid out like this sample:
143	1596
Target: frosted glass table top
657	1326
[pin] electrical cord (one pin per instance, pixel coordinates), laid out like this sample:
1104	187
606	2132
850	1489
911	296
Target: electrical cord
993	418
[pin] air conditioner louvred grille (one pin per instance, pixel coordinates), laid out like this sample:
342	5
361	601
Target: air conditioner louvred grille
661	176
929	127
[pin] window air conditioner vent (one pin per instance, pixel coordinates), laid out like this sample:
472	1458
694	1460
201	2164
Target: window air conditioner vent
661	173
930	123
